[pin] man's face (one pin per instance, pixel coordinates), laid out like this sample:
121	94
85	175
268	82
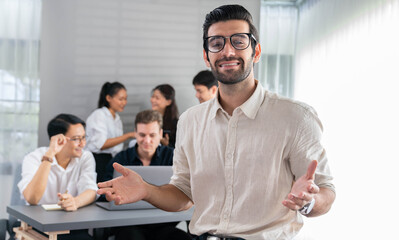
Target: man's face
203	93
148	137
230	65
77	141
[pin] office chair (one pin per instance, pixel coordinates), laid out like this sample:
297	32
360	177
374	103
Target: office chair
6	225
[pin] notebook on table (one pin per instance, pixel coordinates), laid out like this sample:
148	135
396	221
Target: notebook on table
155	175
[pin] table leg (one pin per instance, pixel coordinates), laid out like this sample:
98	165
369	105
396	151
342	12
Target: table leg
25	232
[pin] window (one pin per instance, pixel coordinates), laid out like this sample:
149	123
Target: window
19	86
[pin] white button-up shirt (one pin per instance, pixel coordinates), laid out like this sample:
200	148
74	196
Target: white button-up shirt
238	169
100	126
79	176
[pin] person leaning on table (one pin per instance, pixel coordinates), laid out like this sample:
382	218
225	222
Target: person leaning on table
62	173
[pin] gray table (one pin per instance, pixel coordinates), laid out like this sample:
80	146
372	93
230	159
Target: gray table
91	216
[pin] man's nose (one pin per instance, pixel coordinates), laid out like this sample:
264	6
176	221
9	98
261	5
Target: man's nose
228	49
147	139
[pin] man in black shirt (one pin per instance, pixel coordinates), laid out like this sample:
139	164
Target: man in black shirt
147	151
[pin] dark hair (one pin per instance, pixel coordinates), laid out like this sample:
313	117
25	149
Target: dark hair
61	123
171	112
148	116
205	78
229	12
109	89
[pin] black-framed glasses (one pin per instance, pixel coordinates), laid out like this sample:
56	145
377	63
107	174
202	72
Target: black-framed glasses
78	140
239	41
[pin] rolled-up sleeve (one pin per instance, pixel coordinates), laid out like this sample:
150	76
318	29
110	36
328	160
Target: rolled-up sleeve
30	164
307	147
87	177
181	170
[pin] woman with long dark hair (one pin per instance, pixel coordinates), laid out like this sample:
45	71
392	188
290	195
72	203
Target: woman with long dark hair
104	126
163	101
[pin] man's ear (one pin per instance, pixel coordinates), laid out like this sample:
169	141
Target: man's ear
213	89
206	58
257	53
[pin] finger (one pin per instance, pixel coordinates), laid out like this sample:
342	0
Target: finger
102	191
121	169
290	204
118	200
313	188
107	184
166	136
311	170
297	200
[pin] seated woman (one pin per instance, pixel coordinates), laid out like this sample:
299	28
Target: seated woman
62	173
163	101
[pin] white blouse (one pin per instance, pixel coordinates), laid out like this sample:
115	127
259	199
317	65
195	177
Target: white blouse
100	126
79	176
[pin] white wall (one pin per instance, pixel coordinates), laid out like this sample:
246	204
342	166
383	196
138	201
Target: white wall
140	43
347	68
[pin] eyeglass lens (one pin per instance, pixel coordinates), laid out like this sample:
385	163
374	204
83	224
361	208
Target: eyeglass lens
79	139
239	41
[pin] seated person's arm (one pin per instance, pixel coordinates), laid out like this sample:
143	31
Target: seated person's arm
112	142
130	187
35	189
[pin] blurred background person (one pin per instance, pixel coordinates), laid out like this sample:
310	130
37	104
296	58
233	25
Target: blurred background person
104	126
205	85
163	101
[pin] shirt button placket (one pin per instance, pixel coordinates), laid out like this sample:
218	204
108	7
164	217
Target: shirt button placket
229	171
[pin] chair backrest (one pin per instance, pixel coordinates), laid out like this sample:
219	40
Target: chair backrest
15	199
16	195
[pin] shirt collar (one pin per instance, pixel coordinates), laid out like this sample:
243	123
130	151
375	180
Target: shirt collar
249	108
109	114
155	158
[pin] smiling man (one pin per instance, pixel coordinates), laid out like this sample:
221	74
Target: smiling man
147	151
205	85
62	173
250	160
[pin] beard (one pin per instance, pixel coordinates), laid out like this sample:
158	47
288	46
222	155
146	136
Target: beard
232	76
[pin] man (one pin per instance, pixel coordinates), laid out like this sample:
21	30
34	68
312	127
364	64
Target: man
251	161
205	85
62	173
147	152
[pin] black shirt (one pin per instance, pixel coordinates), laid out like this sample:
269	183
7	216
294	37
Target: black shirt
163	156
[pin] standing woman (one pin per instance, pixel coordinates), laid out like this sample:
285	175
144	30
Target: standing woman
104	126
163	101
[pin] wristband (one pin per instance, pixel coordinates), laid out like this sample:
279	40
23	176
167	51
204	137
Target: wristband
305	210
45	158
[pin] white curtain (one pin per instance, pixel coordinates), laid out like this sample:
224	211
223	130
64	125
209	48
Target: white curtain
278	24
347	67
19	87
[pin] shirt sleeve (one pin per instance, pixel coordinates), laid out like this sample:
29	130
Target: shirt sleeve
307	147
87	177
96	131
30	164
181	170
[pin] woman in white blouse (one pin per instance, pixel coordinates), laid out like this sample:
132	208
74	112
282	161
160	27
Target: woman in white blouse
104	126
